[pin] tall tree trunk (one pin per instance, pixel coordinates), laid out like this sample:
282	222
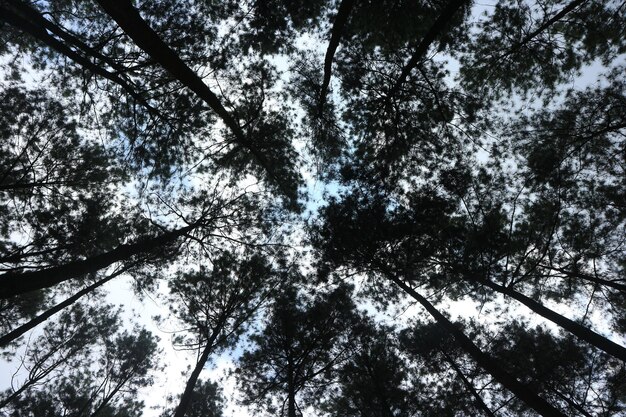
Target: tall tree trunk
14	334
578	330
185	399
507	380
385	409
291	390
16	19
15	283
291	372
340	21
131	22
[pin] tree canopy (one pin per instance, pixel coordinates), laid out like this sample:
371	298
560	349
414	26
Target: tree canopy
366	208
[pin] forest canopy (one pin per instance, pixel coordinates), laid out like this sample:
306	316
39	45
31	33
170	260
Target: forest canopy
391	208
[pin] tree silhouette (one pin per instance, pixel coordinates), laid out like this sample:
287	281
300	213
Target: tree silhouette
311	188
300	343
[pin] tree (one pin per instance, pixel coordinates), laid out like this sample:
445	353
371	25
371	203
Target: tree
181	145
374	379
32	323
298	345
57	190
560	368
57	363
215	306
440	362
62	399
385	245
109	392
61	345
207	400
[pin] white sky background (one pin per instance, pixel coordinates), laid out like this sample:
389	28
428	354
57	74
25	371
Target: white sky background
177	364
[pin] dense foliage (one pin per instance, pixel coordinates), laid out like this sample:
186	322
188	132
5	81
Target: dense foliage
385	208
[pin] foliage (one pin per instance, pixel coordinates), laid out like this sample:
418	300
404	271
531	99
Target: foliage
267	171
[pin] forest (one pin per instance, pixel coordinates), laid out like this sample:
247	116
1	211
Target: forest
350	208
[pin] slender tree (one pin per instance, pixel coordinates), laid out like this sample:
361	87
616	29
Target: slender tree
298	345
216	304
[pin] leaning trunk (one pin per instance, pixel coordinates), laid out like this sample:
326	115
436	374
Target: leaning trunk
340	21
14	334
507	380
468	385
185	399
15	283
578	330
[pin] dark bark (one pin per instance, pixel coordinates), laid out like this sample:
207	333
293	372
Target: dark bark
380	393
15	283
185	399
488	363
14	395
14	334
576	329
340	21
291	390
131	22
21	23
435	30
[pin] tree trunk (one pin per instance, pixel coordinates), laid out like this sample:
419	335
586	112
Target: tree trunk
14	334
14	395
578	330
291	391
507	380
131	22
185	399
15	283
340	21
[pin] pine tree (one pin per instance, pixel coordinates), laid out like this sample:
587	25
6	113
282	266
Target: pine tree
180	146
